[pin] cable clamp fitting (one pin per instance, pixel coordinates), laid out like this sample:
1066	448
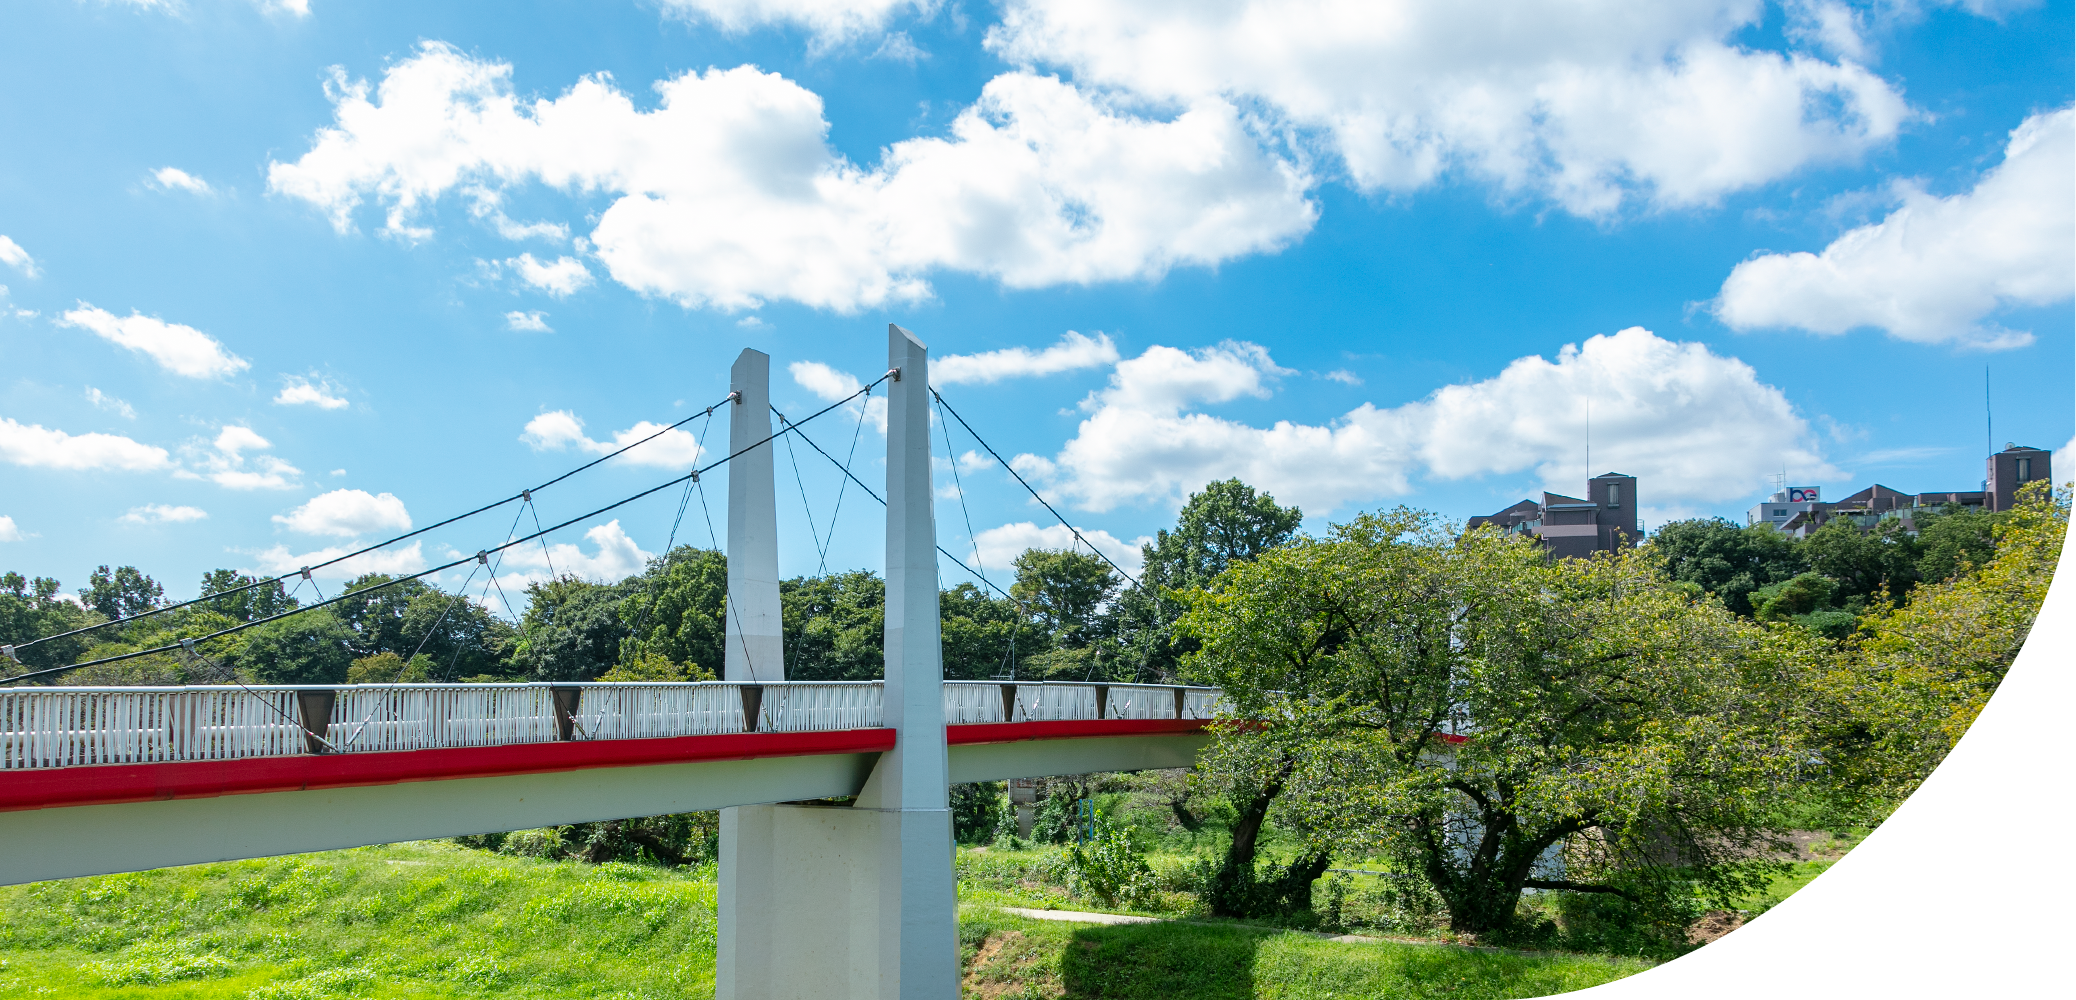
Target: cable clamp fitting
8	652
526	495
306	573
735	397
482	557
188	644
894	373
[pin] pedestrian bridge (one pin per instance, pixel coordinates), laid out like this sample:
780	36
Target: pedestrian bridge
813	901
121	779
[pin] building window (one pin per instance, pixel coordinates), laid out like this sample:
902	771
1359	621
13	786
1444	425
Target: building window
2025	470
1780	512
1614	494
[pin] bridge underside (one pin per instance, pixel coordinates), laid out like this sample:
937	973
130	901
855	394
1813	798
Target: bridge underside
97	820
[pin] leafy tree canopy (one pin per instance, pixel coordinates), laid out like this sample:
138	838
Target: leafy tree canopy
122	593
1224	523
1064	591
32	609
310	648
1917	674
246	605
1468	705
1728	561
572	630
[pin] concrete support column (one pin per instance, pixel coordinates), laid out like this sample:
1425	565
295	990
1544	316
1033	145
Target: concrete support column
755	926
818	901
755	635
918	905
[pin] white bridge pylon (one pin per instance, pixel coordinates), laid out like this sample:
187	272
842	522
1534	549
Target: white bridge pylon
858	900
816	900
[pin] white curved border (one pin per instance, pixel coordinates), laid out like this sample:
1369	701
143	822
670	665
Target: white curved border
1964	892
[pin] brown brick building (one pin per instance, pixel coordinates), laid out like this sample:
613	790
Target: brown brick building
1603	521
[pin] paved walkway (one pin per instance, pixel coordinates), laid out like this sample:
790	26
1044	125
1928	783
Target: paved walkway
1082	917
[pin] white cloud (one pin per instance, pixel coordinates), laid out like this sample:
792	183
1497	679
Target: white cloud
1344	376
616	557
1589	103
39	447
559	429
559	277
2063	456
293	8
829	21
346	513
311	391
1691	424
278	561
12	254
831	385
1000	546
728	195
105	401
174	178
8	531
533	321
158	513
1936	268
225	462
1074	351
182	350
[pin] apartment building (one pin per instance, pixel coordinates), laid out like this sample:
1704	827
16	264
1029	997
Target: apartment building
1602	521
1797	511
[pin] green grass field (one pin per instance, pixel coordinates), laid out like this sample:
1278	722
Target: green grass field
432	921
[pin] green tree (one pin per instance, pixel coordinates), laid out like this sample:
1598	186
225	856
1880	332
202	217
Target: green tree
310	648
835	626
1224	523
1917	675
246	605
572	630
1865	563
414	618
1063	591
675	609
122	593
32	609
1723	559
978	631
1954	540
1468	706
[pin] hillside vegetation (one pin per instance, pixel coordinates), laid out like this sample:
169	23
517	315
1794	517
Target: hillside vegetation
431	920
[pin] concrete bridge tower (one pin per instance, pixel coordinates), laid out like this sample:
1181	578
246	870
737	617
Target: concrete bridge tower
821	901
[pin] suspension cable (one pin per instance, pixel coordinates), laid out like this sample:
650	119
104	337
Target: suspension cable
1033	490
693	475
526	494
883	502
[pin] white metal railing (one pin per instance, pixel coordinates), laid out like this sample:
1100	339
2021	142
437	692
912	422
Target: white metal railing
1142	701
642	711
75	726
423	716
1203	703
967	703
69	727
814	706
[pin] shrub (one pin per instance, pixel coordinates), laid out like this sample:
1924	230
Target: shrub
1108	867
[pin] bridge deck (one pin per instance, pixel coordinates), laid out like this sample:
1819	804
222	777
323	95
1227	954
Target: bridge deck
91	746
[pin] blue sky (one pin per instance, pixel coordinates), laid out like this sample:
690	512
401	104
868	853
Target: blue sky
283	276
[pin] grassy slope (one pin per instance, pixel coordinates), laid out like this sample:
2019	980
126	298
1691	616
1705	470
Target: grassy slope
422	920
429	920
1013	957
